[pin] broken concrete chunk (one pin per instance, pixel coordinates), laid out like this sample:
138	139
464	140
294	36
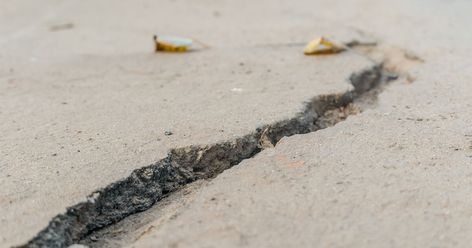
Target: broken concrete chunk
322	46
171	44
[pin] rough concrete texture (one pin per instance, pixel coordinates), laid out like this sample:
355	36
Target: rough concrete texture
394	176
399	178
397	175
147	185
86	103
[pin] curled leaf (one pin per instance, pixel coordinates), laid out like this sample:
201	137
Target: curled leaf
322	46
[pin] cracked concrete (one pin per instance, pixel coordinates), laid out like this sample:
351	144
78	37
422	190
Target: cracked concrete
181	166
397	175
405	189
88	105
393	176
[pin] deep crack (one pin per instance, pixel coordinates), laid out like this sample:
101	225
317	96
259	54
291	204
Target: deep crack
148	185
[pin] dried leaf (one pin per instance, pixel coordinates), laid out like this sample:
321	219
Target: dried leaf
171	44
322	46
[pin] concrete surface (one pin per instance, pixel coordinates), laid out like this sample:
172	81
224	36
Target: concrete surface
84	106
398	176
394	176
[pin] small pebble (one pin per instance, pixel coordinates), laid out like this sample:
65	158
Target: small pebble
168	133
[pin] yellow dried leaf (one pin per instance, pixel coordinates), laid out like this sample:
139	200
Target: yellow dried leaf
322	46
171	44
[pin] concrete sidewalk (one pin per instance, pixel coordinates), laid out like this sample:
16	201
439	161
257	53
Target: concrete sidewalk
86	105
78	118
394	176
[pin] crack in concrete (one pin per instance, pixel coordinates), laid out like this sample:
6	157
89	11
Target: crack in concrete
148	185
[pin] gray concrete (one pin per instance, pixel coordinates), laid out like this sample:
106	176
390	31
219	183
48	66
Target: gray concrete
398	176
84	106
394	176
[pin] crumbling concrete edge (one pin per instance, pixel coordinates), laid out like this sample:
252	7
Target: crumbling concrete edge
149	184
